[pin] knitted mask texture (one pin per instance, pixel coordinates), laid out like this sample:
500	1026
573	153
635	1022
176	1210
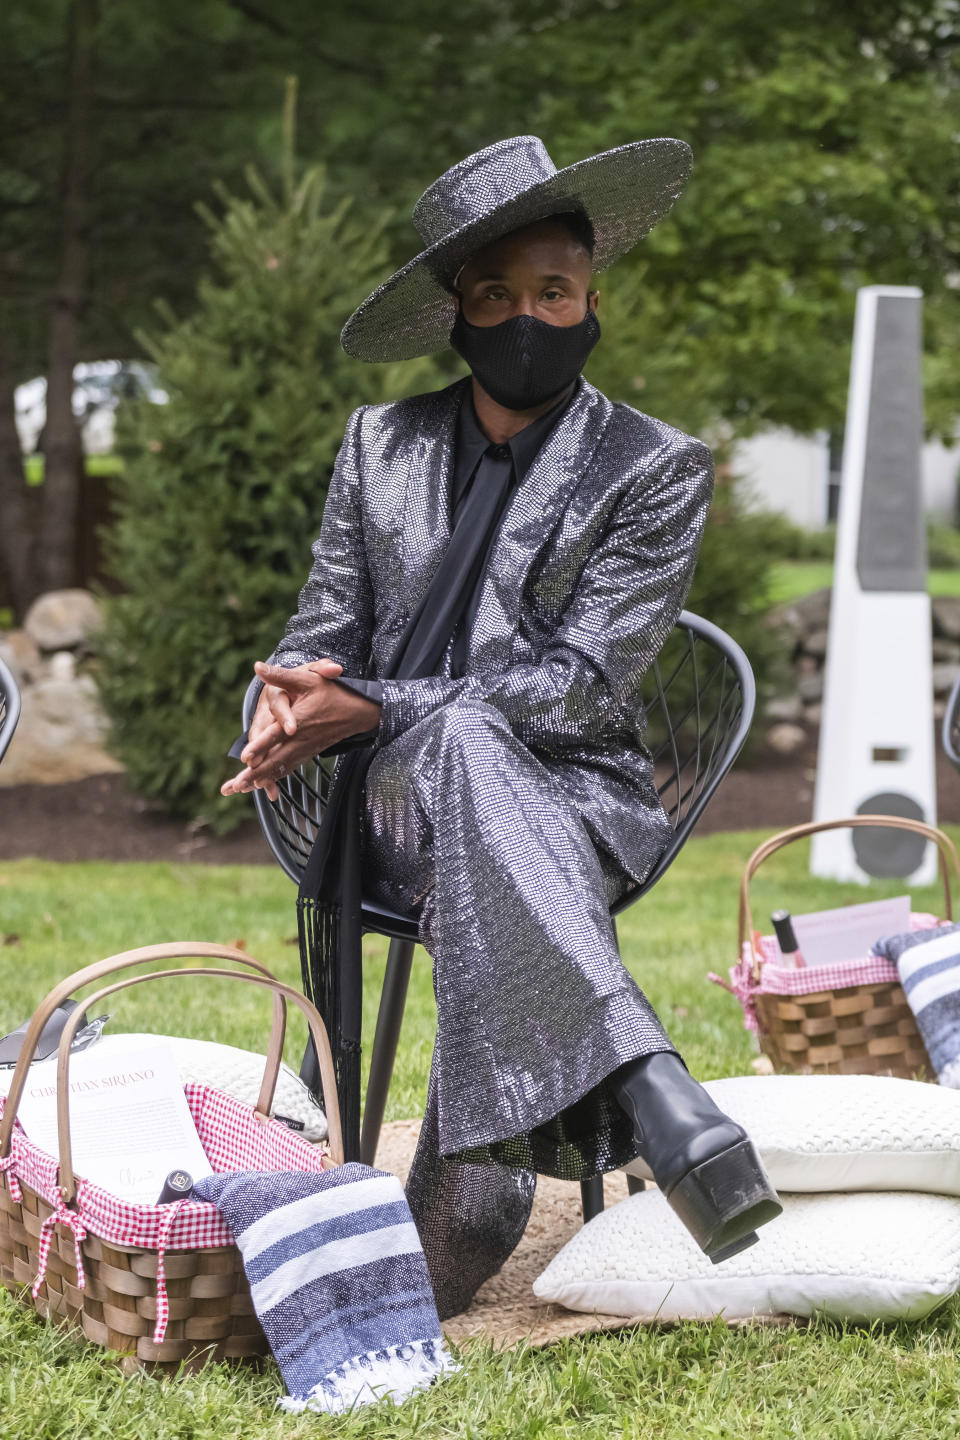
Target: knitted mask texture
524	361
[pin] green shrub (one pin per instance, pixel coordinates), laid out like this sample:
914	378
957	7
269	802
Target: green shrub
783	540
222	488
731	586
943	545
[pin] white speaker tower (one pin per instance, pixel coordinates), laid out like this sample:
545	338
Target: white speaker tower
876	739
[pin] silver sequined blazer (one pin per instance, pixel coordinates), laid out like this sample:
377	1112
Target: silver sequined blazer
586	578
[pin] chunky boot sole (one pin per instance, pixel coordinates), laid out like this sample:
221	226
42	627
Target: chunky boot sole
724	1201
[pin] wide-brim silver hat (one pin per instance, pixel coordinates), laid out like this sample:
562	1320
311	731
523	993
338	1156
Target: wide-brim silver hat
623	192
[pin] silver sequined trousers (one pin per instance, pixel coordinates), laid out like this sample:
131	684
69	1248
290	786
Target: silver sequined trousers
534	1007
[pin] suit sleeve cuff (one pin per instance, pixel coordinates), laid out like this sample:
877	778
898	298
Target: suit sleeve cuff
369	689
238	745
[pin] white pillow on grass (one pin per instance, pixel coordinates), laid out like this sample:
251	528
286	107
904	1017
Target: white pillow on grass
852	1257
237	1073
846	1132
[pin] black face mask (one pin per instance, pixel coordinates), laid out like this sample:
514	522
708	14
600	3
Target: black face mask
524	361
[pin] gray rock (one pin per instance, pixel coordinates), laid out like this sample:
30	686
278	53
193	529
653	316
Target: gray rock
813	610
21	655
946	616
786	739
62	665
72	702
788	708
945	652
816	643
944	678
61	735
810	687
63	619
788	625
813	714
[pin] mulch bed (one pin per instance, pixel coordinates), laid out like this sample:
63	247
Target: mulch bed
101	819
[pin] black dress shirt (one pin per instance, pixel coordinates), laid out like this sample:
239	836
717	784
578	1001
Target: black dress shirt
470	447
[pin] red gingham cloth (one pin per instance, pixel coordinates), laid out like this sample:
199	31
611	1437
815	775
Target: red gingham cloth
233	1139
777	979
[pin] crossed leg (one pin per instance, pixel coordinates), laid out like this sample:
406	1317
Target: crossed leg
535	1008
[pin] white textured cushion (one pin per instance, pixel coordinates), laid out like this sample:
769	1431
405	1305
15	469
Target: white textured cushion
846	1132
854	1257
237	1073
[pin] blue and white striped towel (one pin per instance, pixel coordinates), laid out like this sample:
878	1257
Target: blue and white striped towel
928	963
339	1282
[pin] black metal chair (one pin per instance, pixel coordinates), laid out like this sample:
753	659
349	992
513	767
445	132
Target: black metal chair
951	725
9	708
699	696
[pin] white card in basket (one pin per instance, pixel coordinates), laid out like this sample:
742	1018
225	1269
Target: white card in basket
828	936
129	1120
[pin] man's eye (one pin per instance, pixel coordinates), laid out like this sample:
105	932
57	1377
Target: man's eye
553	295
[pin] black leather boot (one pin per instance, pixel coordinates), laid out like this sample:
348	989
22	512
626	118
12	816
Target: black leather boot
704	1163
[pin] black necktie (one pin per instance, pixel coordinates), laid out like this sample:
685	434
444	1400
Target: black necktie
442	609
329	900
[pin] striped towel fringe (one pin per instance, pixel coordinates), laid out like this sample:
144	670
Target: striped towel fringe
338	1280
379	1375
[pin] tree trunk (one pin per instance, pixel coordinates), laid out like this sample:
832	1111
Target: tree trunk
17	517
63	450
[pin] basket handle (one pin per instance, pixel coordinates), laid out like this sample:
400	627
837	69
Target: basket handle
946	849
125	960
179	950
68	1184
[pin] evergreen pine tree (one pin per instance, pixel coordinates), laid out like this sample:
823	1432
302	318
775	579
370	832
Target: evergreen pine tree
223	486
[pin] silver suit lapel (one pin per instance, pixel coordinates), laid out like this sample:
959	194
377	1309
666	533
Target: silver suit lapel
429	466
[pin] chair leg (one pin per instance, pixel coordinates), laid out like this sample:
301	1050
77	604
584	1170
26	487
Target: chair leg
591	1197
635	1186
385	1040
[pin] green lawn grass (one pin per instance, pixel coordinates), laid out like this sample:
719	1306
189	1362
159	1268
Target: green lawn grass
34	465
792	579
825	1382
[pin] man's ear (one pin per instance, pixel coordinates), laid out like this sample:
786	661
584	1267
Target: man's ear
593	300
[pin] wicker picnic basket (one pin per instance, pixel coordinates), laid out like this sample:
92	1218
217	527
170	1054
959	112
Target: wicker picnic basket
854	1029
158	1303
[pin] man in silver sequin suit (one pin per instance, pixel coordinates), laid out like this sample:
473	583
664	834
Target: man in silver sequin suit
511	803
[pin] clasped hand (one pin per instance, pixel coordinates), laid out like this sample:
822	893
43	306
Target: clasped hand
300	712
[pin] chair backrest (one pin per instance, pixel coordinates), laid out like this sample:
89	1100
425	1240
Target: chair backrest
699	696
951	725
9	707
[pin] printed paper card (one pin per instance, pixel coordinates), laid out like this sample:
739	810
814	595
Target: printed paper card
827	936
130	1124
